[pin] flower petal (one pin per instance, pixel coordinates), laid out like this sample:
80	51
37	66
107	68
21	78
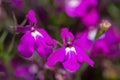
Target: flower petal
40	49
66	35
58	55
93	2
91	18
23	29
26	45
71	63
23	72
46	36
83	41
17	3
83	57
81	10
31	17
100	46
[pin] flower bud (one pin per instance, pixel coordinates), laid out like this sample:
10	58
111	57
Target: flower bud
104	26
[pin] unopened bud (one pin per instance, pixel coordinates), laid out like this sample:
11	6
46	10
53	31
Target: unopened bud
105	25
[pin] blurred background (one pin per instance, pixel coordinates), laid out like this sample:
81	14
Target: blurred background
52	15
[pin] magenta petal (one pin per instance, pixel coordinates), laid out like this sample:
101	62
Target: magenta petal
70	11
101	45
41	51
26	45
93	2
23	29
31	17
66	34
39	44
23	72
83	57
57	56
91	18
46	36
17	3
71	7
82	40
48	49
71	63
82	8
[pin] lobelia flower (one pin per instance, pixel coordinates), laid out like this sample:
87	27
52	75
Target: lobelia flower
78	7
84	39
17	3
34	38
70	55
107	44
86	10
91	18
22	69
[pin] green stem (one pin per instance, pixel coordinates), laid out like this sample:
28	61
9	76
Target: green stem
3	36
6	59
2	39
59	43
11	44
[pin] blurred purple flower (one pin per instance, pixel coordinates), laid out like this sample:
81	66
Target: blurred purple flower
84	39
27	70
108	44
3	71
91	18
34	38
17	3
70	55
78	7
86	10
23	72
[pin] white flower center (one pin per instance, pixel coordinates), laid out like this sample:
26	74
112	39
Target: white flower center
73	3
36	33
69	49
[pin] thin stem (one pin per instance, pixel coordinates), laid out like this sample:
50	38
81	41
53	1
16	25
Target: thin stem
59	43
11	44
14	18
24	21
3	36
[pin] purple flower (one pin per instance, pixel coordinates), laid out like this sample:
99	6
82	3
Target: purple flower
108	44
91	18
34	38
27	70
70	55
23	72
84	39
78	7
17	3
86	10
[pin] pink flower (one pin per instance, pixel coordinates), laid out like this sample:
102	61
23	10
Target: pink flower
34	37
70	55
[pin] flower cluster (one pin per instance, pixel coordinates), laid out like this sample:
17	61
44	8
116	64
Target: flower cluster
34	38
71	55
108	43
86	10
